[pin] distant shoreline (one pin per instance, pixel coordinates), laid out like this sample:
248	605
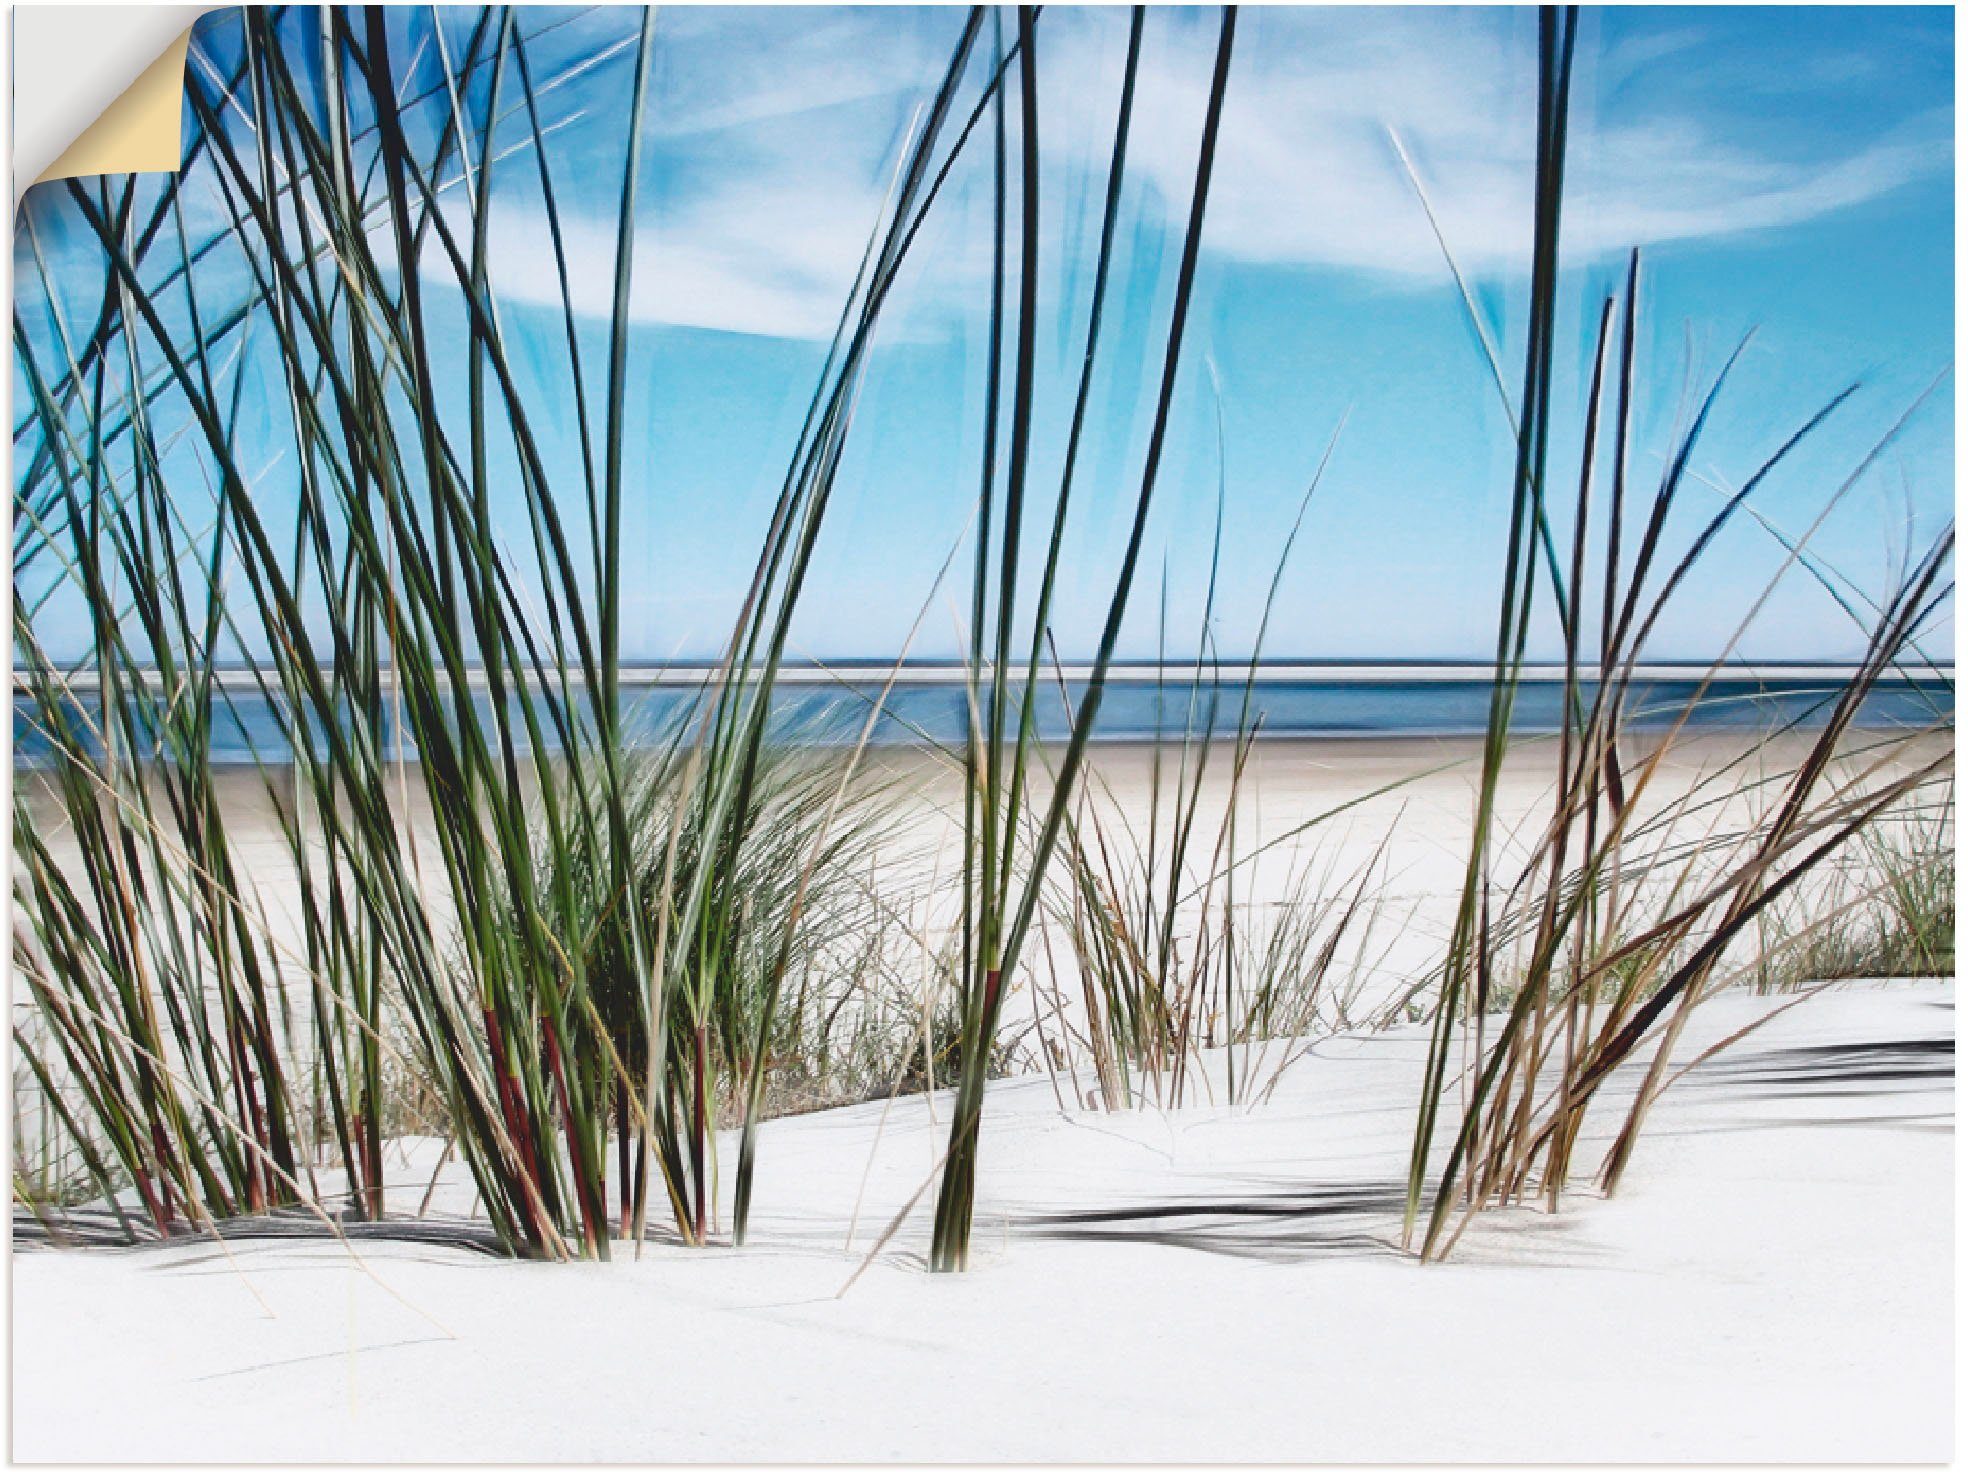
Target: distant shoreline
929	706
688	674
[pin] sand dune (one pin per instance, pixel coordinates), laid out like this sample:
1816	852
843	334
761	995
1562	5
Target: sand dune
1772	1284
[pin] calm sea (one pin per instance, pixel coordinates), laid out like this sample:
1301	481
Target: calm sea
928	706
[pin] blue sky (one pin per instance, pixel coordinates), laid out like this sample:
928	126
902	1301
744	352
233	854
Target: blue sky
1783	169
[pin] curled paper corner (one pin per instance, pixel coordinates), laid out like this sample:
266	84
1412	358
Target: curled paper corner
139	132
60	71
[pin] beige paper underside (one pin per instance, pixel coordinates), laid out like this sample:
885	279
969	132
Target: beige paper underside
138	133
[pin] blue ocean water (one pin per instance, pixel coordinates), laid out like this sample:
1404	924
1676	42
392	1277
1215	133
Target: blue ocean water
925	711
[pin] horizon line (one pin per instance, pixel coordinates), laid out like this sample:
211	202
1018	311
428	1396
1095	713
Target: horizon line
867	669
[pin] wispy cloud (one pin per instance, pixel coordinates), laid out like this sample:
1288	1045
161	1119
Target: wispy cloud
772	130
776	263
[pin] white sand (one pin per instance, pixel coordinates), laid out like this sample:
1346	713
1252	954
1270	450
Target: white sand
1774	1283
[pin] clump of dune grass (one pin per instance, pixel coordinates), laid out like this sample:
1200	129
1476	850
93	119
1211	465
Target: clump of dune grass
1885	910
794	875
1163	983
1169	953
429	585
871	1035
1607	933
1913	855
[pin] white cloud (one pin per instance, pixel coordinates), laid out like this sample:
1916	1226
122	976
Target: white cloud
776	263
1306	174
776	128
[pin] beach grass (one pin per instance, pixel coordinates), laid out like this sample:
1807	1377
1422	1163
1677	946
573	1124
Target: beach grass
1597	945
1001	894
392	601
